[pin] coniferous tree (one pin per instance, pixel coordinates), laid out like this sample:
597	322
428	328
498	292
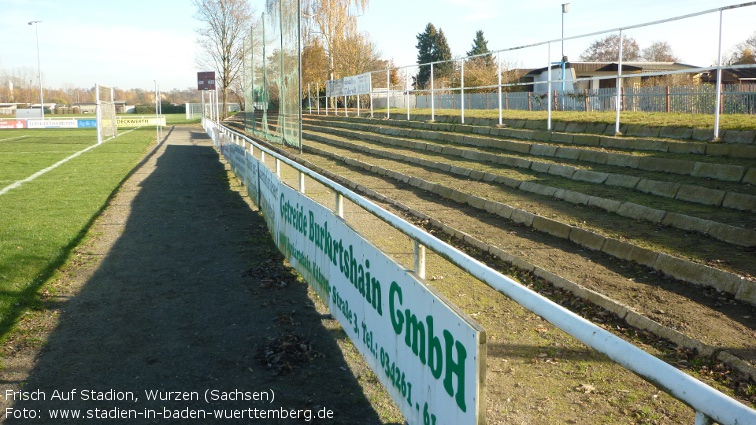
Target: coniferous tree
432	47
480	47
425	54
442	52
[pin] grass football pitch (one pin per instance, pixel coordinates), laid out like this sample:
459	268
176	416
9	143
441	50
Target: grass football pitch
43	219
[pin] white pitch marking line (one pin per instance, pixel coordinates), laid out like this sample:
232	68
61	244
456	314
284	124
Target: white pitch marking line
13	138
54	166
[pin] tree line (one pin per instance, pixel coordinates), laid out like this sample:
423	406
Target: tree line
481	71
20	86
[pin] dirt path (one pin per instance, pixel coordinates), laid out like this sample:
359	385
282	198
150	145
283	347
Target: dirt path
180	289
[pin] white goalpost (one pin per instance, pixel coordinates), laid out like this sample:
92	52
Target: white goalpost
106	113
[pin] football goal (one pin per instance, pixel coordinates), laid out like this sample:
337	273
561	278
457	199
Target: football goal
106	113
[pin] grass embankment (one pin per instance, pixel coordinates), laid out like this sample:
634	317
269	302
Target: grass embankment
652	119
42	220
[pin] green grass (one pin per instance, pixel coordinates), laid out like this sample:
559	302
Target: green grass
43	220
24	152
658	119
170	119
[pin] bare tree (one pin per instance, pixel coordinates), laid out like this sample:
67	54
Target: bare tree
607	50
335	22
357	55
743	53
224	25
659	51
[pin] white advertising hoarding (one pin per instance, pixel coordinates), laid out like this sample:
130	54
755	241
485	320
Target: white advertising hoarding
429	356
54	123
349	86
139	121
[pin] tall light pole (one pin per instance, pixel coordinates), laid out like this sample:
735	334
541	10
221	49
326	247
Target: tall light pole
39	70
565	9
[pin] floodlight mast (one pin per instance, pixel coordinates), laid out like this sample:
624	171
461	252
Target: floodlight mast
39	70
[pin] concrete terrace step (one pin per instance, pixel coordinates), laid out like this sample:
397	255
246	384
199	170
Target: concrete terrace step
720	231
632	317
611	150
666	139
702	193
676	267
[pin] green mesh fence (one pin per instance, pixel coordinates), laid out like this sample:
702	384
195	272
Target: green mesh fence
271	75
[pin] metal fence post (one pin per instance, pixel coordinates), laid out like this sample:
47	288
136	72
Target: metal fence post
433	97
548	88
618	102
498	74
462	90
371	95
388	93
419	255
702	419
339	205
719	82
406	87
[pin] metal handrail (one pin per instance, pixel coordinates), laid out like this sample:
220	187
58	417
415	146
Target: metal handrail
708	403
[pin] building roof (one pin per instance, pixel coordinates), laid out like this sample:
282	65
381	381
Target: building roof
588	67
730	74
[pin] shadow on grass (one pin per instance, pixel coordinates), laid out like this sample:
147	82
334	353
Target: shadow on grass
190	298
27	298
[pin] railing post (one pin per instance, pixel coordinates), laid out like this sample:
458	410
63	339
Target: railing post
419	254
406	87
618	103
371	95
719	82
462	91
702	419
433	97
301	182
388	93
548	88
278	168
339	204
498	74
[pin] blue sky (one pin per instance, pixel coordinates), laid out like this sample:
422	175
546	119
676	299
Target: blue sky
130	44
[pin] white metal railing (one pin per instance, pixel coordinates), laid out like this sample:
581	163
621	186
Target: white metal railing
459	86
708	403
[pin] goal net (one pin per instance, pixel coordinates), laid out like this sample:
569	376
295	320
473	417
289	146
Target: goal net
106	113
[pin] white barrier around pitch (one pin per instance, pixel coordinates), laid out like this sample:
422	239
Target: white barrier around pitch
36	123
429	356
708	403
